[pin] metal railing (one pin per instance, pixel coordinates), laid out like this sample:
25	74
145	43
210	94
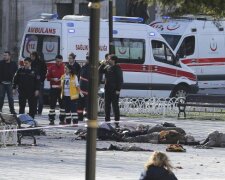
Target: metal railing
154	106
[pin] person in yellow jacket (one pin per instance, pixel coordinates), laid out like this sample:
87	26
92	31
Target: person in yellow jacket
70	94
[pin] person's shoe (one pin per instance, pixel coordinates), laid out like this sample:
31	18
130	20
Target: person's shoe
52	122
75	123
14	113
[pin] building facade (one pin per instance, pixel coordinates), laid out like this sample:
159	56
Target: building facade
14	15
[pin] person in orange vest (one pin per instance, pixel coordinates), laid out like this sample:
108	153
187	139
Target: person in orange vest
70	94
54	75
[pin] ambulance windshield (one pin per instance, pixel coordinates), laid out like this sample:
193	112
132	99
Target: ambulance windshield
47	46
172	40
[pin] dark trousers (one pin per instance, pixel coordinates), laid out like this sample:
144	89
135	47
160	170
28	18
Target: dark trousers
111	98
40	99
55	96
71	110
82	107
31	103
6	89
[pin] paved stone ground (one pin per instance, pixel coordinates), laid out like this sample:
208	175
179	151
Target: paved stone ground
59	156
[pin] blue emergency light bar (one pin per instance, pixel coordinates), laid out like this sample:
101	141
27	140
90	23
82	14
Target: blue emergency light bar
166	17
127	19
48	16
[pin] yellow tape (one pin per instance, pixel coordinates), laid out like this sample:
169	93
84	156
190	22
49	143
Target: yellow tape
92	123
95	5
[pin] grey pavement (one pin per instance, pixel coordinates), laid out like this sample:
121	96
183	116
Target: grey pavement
59	156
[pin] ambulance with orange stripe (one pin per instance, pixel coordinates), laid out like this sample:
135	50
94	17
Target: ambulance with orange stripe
200	43
149	65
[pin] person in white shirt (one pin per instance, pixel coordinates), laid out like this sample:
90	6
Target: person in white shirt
70	94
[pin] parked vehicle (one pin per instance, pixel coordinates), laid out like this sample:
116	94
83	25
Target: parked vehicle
149	65
200	43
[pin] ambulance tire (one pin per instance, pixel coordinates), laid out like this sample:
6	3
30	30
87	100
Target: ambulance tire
180	91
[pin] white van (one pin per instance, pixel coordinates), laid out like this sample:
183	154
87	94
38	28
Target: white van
200	43
148	63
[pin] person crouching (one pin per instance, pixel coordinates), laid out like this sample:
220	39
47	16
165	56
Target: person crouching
70	94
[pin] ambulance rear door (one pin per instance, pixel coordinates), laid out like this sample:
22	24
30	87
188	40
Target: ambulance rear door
43	37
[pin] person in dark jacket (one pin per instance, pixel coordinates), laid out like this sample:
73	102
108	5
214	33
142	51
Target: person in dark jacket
158	167
84	84
113	84
40	67
28	82
72	61
8	69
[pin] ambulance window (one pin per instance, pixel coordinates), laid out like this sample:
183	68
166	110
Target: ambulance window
46	45
187	47
130	50
161	52
50	47
30	45
172	40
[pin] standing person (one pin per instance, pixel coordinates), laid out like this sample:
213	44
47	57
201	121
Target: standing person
113	84
28	82
101	77
40	67
70	94
8	69
84	83
158	167
54	75
72	61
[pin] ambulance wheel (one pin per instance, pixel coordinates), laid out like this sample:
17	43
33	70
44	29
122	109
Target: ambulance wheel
180	91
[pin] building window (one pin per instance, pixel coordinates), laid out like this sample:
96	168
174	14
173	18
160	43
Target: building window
64	9
83	9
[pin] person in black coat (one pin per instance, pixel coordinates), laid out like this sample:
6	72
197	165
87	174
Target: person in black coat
72	61
8	69
40	67
84	84
113	85
158	167
28	82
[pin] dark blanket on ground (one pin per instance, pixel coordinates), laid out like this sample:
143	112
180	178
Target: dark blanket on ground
166	133
123	148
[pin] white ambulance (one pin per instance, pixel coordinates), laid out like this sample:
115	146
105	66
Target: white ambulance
200	43
148	63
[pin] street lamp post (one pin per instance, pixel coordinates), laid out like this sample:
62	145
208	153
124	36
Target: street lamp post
94	6
110	27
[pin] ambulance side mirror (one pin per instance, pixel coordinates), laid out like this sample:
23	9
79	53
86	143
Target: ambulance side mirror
176	59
